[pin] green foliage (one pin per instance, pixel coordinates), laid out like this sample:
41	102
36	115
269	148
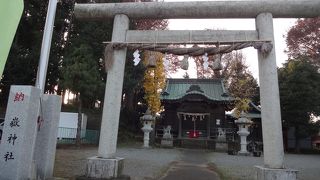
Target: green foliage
22	63
76	57
82	66
299	84
80	72
240	82
133	90
134	75
60	38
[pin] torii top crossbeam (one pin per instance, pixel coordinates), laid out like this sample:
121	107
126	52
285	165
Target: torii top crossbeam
200	9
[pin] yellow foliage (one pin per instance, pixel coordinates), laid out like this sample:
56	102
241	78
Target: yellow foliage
154	81
242	105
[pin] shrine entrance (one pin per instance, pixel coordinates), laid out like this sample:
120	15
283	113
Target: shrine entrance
194	125
195	109
263	11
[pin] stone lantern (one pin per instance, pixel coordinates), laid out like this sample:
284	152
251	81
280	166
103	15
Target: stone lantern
147	120
243	123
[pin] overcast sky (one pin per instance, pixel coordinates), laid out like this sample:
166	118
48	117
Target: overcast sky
281	26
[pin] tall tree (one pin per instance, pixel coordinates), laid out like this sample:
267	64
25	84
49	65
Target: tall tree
240	82
134	75
60	39
21	67
91	35
133	78
81	76
299	84
303	39
82	70
238	79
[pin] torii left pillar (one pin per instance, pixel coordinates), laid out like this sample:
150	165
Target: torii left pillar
273	168
106	165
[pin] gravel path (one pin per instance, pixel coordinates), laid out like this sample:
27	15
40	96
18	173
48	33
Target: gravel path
241	167
192	166
147	164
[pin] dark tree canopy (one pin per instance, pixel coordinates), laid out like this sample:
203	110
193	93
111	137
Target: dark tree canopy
299	84
21	66
23	59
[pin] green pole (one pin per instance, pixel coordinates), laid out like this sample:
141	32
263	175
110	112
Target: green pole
10	14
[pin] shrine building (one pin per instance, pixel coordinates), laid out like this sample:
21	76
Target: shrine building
195	110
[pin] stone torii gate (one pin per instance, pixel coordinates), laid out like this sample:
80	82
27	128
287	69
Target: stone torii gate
106	165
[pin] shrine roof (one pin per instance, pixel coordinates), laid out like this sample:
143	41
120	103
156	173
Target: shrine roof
211	89
254	112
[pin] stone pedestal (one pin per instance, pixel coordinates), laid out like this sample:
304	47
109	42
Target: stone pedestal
221	143
243	132
104	168
221	146
47	131
146	137
19	133
167	142
263	173
147	120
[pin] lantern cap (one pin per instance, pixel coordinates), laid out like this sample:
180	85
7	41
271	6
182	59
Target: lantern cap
147	116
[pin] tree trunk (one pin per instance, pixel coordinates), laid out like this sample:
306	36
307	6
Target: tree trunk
78	137
297	144
63	93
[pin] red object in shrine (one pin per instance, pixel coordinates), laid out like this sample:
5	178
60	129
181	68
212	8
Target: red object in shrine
194	134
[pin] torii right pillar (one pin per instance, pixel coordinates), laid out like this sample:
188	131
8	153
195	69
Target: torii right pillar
273	168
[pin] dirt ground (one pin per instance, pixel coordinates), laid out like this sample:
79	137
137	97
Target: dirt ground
139	163
153	163
71	161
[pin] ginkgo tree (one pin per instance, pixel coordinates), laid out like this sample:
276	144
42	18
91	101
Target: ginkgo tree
154	80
